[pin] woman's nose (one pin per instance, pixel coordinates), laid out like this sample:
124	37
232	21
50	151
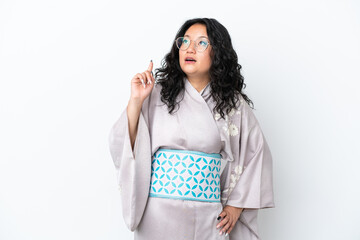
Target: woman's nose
191	47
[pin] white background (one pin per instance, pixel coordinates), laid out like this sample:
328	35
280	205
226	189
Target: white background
65	71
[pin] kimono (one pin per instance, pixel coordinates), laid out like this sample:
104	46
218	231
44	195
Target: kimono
246	167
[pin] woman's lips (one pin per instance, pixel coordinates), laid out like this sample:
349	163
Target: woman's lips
190	61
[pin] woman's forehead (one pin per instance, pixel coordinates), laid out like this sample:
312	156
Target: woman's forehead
196	31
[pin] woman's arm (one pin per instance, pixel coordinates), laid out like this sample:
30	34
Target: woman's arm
133	113
139	92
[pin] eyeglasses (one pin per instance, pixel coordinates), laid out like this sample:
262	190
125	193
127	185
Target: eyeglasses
201	43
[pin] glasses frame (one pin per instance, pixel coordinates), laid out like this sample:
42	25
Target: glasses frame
196	47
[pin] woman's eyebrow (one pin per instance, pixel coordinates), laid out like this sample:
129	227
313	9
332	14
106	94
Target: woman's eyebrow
199	36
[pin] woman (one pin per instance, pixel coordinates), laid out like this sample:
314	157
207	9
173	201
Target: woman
191	158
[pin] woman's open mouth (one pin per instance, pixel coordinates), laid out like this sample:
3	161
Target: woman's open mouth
190	60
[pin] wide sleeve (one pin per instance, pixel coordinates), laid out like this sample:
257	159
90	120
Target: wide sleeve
248	180
133	166
252	178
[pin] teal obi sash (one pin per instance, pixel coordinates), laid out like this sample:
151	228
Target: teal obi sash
187	175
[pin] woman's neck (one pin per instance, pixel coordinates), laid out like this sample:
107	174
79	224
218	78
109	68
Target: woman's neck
199	83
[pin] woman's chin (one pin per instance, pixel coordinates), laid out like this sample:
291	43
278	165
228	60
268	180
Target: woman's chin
189	71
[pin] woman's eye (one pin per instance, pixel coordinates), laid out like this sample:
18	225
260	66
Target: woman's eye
203	43
185	41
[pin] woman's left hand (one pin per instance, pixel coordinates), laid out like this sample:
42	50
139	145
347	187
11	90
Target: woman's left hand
229	216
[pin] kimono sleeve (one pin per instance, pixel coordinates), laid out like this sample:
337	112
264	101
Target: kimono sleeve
252	179
133	166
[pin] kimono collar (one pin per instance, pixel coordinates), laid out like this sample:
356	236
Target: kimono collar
223	125
205	92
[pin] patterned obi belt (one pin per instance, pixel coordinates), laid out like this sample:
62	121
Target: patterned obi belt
188	175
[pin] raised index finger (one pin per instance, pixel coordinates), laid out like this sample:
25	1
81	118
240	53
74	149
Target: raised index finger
150	66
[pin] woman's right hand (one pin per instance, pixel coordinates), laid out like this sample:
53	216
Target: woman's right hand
142	85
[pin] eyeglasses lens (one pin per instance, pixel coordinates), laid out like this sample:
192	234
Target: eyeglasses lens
183	43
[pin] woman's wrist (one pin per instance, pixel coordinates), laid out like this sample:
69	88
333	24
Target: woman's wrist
135	102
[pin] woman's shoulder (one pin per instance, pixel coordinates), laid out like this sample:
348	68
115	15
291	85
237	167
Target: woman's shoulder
242	104
154	96
157	88
156	93
243	110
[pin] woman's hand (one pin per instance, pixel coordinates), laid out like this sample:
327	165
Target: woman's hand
229	216
142	84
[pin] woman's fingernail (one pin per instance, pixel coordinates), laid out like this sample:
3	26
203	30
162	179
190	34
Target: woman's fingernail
226	234
151	60
217	226
220	233
218	218
142	81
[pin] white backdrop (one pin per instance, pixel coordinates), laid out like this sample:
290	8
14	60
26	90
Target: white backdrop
65	71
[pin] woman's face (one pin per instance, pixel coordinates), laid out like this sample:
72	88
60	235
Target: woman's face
199	68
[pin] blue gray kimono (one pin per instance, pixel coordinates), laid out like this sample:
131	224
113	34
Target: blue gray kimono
246	167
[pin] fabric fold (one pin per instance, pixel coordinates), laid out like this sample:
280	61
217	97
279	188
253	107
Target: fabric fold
247	181
253	181
133	167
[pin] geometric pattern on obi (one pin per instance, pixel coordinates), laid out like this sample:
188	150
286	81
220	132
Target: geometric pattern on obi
187	175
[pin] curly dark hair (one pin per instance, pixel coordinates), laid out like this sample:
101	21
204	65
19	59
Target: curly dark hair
226	80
